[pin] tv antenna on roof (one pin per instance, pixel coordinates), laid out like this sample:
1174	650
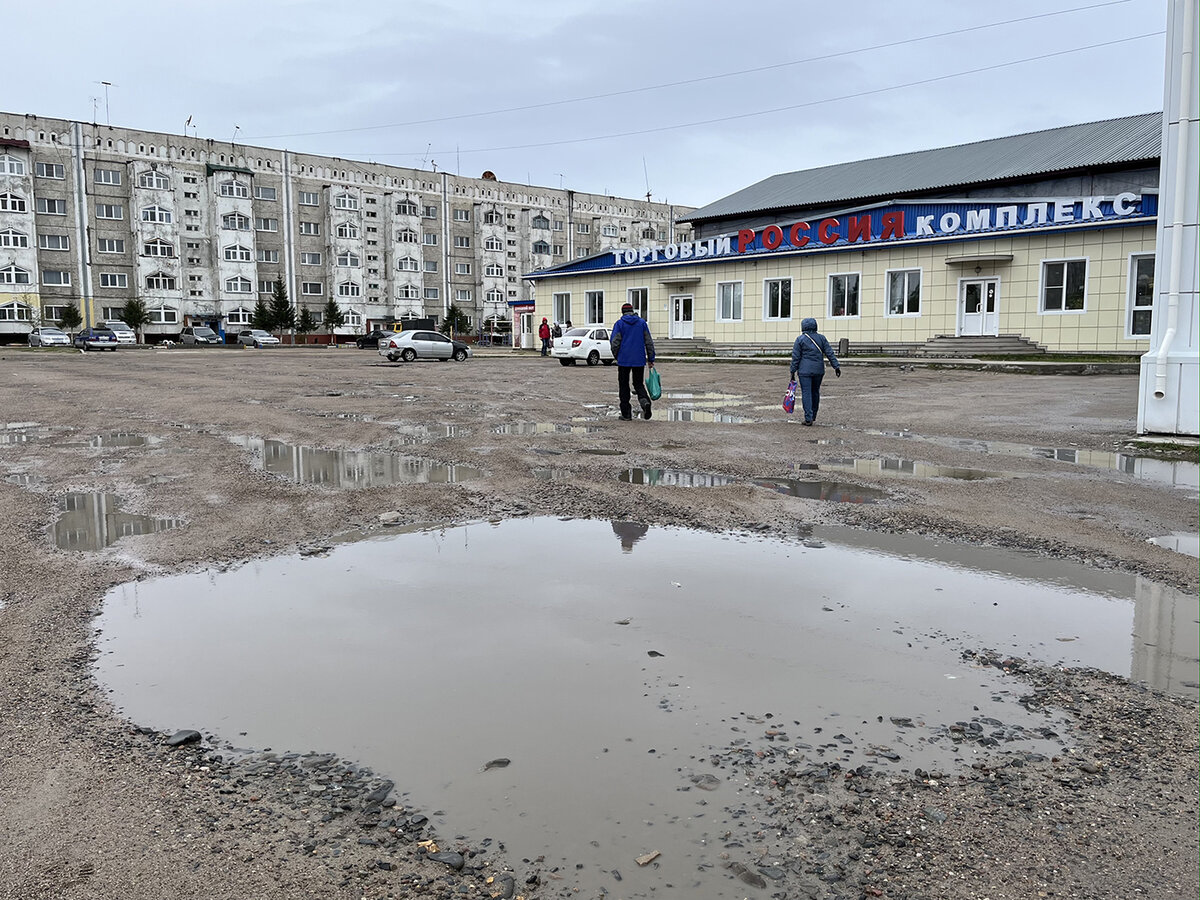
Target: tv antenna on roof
646	172
107	85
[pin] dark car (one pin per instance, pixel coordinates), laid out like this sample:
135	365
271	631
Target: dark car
372	338
96	339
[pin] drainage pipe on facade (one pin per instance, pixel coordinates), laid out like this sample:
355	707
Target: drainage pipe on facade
1183	112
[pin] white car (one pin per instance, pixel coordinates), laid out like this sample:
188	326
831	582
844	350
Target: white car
48	336
123	332
589	344
256	337
413	345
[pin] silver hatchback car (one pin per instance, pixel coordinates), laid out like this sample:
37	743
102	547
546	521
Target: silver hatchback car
414	345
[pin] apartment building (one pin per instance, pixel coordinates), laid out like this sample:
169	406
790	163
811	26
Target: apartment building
200	230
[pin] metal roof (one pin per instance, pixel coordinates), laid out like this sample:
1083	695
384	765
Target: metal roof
1090	145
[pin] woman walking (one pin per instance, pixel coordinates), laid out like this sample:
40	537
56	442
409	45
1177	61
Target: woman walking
808	366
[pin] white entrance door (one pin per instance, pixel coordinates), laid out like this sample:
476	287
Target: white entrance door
977	306
681	316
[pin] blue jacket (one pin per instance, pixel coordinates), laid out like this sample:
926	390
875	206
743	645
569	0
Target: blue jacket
809	349
631	342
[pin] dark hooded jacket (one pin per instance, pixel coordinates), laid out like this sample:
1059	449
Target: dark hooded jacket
809	349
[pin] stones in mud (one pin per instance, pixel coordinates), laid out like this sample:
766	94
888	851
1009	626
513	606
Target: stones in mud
184	736
448	858
380	793
706	782
747	875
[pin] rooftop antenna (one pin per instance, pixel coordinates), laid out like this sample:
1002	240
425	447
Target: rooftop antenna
425	158
236	129
186	125
95	103
107	85
560	179
646	172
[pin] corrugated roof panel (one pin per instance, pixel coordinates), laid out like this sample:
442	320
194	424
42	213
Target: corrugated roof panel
1092	144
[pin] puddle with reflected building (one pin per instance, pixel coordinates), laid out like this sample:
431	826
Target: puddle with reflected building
94	521
600	451
409	435
23	478
831	491
908	468
529	429
675	478
551	474
603	691
687	414
349	468
1184	475
27	432
122	439
1180	541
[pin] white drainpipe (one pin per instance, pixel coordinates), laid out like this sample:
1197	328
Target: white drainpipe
1181	163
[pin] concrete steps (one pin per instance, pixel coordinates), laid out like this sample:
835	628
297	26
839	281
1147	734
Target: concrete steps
985	345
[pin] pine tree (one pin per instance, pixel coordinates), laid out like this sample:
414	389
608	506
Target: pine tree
283	316
333	317
262	316
70	318
135	315
306	322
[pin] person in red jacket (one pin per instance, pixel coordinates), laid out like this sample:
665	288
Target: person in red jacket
544	334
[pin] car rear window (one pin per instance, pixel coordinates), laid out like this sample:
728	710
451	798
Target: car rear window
577	332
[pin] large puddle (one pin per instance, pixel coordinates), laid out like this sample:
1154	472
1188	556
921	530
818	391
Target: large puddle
94	521
609	679
349	468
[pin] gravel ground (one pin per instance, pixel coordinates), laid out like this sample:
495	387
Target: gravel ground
94	807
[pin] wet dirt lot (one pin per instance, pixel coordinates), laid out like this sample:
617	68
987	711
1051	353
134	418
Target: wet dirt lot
254	454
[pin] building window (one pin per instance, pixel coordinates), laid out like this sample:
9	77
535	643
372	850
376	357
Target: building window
843	296
13	238
428	212
264	224
610	231
640	298
579	254
429	239
462	215
114	280
431	293
56	276
51	242
110	245
349	289
904	292
408	292
492	218
10	165
264	193
155	180
237	253
407	208
310	228
462	241
541	247
648	234
729	301
111	211
347	230
540	221
268	256
777	298
13	275
240	316
110	312
49	207
234	189
156	214
593	307
583	228
1141	295
14	312
49	170
16	203
408	264
158	248
1063	285
406	236
345	201
310	258
267	286
348	260
53	313
312	288
494	270
310	198
163	315
493	243
160	281
108	176
462	268
494	296
238	285
353	318
431	265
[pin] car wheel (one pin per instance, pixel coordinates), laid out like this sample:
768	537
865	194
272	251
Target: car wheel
593	358
460	355
257	345
393	357
565	362
409	354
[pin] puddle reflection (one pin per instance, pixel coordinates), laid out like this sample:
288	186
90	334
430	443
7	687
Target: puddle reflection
832	491
1180	541
908	467
121	439
529	429
675	478
349	468
94	521
685	414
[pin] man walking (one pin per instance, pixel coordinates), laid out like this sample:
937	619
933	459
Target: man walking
632	347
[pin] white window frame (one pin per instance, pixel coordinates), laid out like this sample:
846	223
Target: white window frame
857	276
240	316
345	201
349	289
237	253
114	280
583	228
738	302
1131	297
463	295
154	180
494	296
610	231
407	208
163	315
11	238
11	165
113	211
157	215
312	288
56	277
312	229
462	268
266	223
493	270
265	192
53	242
431	265
593	307
267	255
493	243
10	202
160	281
766	299
309	198
234	188
156	248
462	215
347	230
408	264
266	286
107	176
238	285
462	242
50	170
14	275
118	245
16	312
349	260
1065	263
352	317
432	293
310	258
641	302
429	239
887	292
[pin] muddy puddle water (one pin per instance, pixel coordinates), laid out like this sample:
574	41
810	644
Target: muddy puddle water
94	521
611	683
349	468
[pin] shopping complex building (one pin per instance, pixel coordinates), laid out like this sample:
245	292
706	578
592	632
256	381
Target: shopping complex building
1034	242
199	230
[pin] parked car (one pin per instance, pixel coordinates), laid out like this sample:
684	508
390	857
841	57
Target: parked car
372	338
256	337
589	344
198	334
98	338
123	332
48	336
411	345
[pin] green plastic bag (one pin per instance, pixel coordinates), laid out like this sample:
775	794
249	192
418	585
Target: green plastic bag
653	384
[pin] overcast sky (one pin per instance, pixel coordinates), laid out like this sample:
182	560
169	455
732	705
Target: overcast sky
516	86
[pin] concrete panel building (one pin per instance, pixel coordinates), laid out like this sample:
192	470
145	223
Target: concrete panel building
200	230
